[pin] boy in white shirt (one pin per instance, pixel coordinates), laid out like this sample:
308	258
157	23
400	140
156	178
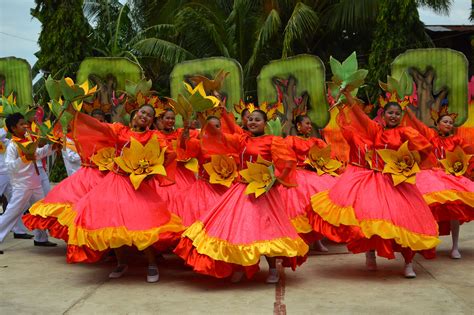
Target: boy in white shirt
24	179
19	230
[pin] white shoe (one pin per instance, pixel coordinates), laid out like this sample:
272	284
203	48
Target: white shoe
273	276
118	272
455	254
370	261
237	276
153	274
409	272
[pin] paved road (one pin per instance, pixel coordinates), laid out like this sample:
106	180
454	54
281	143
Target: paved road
36	280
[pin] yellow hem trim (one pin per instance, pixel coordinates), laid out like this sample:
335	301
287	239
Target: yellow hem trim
246	254
446	196
114	237
61	211
337	215
301	224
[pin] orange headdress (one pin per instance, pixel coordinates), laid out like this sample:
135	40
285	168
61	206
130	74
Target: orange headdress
443	111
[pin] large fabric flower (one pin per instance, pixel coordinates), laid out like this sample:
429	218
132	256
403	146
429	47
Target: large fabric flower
142	161
320	160
402	164
456	162
222	170
104	159
260	176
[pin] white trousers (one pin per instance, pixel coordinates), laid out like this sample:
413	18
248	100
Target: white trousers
44	180
6	189
21	199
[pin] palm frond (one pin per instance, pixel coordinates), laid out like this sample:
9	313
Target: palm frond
351	15
438	6
163	50
268	30
200	32
302	23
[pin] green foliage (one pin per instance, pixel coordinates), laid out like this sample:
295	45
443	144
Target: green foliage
398	28
58	171
63	39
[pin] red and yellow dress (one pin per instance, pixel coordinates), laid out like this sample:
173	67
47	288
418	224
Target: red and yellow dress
183	177
241	228
450	197
114	213
364	208
309	183
195	201
55	212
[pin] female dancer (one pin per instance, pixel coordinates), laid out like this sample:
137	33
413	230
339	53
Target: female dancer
450	196
309	182
230	239
124	210
365	208
193	202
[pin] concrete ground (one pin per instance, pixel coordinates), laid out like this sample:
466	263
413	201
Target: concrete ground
36	280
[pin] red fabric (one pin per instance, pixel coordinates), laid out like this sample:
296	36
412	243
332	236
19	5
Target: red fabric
195	201
296	199
83	254
386	248
205	265
51	224
338	234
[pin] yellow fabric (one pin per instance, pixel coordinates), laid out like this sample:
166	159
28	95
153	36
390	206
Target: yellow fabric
337	215
301	224
445	196
322	205
61	211
245	254
114	237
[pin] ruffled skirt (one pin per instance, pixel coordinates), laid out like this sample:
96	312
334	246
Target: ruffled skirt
449	197
297	198
114	214
238	231
365	210
195	201
55	212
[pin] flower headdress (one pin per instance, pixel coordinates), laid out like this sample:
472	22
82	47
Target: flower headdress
139	94
396	91
443	111
239	108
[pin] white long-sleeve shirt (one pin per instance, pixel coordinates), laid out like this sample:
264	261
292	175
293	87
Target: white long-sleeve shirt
72	160
23	175
5	141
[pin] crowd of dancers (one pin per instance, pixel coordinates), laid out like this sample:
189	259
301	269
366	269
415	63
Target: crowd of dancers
224	196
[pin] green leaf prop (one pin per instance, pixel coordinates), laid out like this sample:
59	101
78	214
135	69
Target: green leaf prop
70	92
274	127
53	88
345	76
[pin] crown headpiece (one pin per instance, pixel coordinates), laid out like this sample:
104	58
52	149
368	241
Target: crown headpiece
443	111
396	91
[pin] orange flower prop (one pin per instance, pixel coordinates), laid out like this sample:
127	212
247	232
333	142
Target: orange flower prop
104	159
142	161
402	164
457	162
260	176
222	170
320	160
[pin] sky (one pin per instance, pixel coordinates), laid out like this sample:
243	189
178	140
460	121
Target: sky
19	31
